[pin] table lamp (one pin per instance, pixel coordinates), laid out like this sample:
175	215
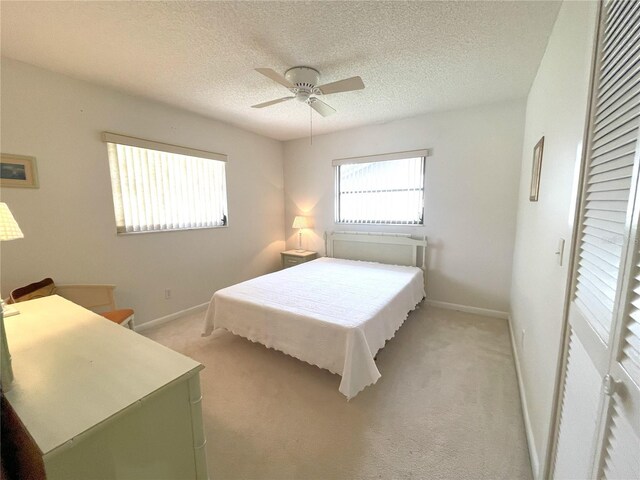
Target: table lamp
300	223
9	230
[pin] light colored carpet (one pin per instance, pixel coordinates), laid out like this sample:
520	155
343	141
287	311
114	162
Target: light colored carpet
446	407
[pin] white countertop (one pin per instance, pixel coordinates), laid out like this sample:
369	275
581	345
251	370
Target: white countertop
74	369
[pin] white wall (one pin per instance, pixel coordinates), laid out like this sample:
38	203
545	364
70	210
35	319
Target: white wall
556	108
471	194
69	224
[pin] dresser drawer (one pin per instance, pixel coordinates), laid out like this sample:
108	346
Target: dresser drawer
291	261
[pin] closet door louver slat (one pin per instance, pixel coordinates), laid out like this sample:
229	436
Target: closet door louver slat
615	14
621	98
615	163
622	458
601	265
620	61
610	166
619	46
630	338
607	195
581	395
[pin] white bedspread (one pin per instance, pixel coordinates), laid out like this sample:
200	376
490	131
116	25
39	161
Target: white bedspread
332	313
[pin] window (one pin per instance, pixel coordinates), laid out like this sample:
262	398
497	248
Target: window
158	187
381	189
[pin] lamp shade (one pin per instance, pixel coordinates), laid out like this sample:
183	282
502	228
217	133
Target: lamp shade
300	222
9	229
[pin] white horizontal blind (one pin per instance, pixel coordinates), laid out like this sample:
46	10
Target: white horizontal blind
622	452
155	190
381	192
610	166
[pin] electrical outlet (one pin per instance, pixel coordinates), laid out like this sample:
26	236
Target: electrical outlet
167	293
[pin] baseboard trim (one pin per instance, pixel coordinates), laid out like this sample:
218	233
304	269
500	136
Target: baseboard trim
468	309
533	454
159	321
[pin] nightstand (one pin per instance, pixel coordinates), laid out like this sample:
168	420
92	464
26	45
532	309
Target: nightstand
291	258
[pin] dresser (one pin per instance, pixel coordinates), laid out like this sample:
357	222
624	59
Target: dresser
91	399
291	258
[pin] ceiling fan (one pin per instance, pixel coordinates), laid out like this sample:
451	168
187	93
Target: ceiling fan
302	82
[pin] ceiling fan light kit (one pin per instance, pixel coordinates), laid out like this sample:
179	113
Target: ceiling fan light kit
303	82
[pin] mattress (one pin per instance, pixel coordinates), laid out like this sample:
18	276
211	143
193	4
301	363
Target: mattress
332	313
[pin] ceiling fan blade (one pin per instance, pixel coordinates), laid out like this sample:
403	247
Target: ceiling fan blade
272	102
346	85
275	76
321	107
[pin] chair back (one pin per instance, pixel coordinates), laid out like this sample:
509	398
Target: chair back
98	298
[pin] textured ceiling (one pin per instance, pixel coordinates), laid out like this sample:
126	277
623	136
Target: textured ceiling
414	57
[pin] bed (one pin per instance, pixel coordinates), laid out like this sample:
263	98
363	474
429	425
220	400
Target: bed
332	312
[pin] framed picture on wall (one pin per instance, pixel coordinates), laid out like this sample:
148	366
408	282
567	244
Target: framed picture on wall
18	171
536	170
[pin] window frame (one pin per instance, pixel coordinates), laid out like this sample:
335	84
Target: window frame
423	154
118	139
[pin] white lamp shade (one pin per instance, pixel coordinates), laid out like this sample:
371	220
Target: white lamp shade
300	222
9	229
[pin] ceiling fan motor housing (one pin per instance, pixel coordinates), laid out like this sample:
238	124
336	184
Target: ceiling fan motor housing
305	80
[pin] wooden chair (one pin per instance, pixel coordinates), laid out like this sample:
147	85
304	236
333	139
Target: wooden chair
98	298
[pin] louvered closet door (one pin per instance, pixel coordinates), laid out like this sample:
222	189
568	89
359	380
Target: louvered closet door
619	454
598	421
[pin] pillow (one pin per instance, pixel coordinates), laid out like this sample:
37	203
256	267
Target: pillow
40	289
